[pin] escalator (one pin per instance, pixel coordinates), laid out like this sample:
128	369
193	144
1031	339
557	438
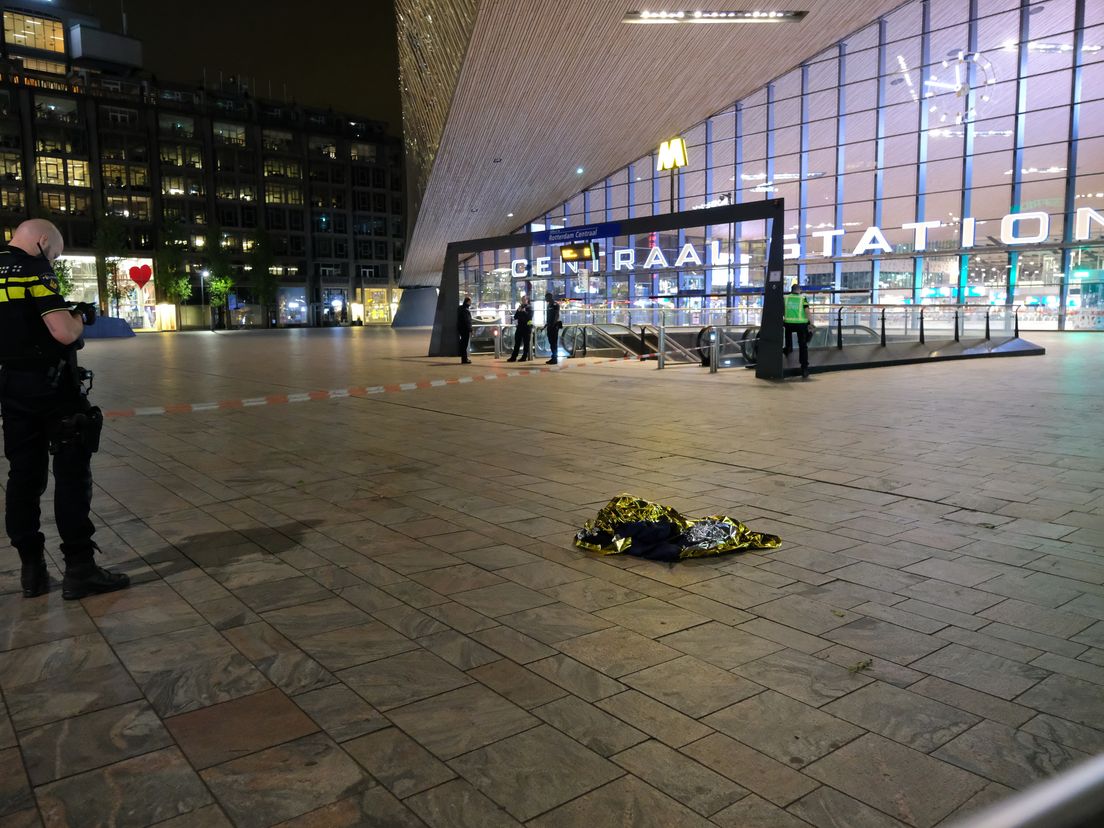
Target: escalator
736	343
681	344
604	340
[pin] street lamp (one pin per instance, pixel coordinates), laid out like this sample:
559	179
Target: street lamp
203	274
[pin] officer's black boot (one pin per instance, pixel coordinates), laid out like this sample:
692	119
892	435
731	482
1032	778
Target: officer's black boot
84	578
35	577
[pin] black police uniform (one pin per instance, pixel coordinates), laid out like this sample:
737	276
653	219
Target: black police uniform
552	330
464	330
523	316
45	412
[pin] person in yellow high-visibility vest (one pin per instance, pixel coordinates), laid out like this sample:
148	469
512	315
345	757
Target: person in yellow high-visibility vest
796	321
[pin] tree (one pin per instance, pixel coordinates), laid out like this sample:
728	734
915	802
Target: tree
173	283
64	273
266	285
110	245
177	288
221	279
218	291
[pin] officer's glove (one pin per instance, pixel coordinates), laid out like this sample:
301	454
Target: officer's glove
86	311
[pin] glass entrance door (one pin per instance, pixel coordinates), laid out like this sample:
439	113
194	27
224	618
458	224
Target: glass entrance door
335	307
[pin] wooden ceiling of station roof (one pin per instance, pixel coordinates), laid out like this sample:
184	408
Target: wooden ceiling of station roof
549	86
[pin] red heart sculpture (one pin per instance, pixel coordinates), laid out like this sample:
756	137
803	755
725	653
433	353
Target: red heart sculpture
141	275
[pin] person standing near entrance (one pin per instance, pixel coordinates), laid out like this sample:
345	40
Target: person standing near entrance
796	321
464	328
523	330
46	413
552	327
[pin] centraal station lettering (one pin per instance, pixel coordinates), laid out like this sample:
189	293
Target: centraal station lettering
1015	229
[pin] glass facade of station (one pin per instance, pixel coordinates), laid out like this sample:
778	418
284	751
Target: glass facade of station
952	151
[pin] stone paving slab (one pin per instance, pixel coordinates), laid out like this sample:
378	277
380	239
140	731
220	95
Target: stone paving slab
367	610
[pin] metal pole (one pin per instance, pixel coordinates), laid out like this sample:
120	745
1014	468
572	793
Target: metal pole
987	324
839	329
769	363
498	341
956	324
921	325
714	351
661	357
1069	800
1017	314
883	328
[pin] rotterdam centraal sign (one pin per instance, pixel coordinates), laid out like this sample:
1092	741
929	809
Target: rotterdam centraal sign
1015	229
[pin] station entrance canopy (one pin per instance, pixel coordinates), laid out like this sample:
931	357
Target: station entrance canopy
444	341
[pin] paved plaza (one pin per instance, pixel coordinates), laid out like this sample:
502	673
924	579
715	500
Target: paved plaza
365	609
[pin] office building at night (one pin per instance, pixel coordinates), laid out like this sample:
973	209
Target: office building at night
85	133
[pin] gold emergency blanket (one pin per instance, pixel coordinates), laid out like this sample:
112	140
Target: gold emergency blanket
629	524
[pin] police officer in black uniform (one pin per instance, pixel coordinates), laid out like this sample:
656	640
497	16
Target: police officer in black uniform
464	328
523	330
46	412
552	325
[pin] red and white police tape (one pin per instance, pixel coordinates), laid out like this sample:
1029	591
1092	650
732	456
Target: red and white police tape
341	393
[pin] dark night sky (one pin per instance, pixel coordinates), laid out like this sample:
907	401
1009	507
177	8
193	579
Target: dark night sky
340	53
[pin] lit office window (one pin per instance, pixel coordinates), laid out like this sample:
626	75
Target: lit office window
229	133
277	194
325	147
78	174
117	206
11	167
363	152
51	67
282	168
114	176
11	199
140	208
49	170
79	204
52	201
172	155
33	32
172	185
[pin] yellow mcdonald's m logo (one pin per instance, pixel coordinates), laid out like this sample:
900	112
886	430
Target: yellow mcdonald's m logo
672	154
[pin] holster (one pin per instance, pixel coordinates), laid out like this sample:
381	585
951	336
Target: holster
82	428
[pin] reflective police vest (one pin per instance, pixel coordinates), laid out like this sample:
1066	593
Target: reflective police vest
795	309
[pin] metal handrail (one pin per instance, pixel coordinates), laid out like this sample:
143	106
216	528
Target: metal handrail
669	344
596	328
1073	799
977	306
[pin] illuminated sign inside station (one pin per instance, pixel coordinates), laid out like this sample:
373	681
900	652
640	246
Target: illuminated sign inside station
671	155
